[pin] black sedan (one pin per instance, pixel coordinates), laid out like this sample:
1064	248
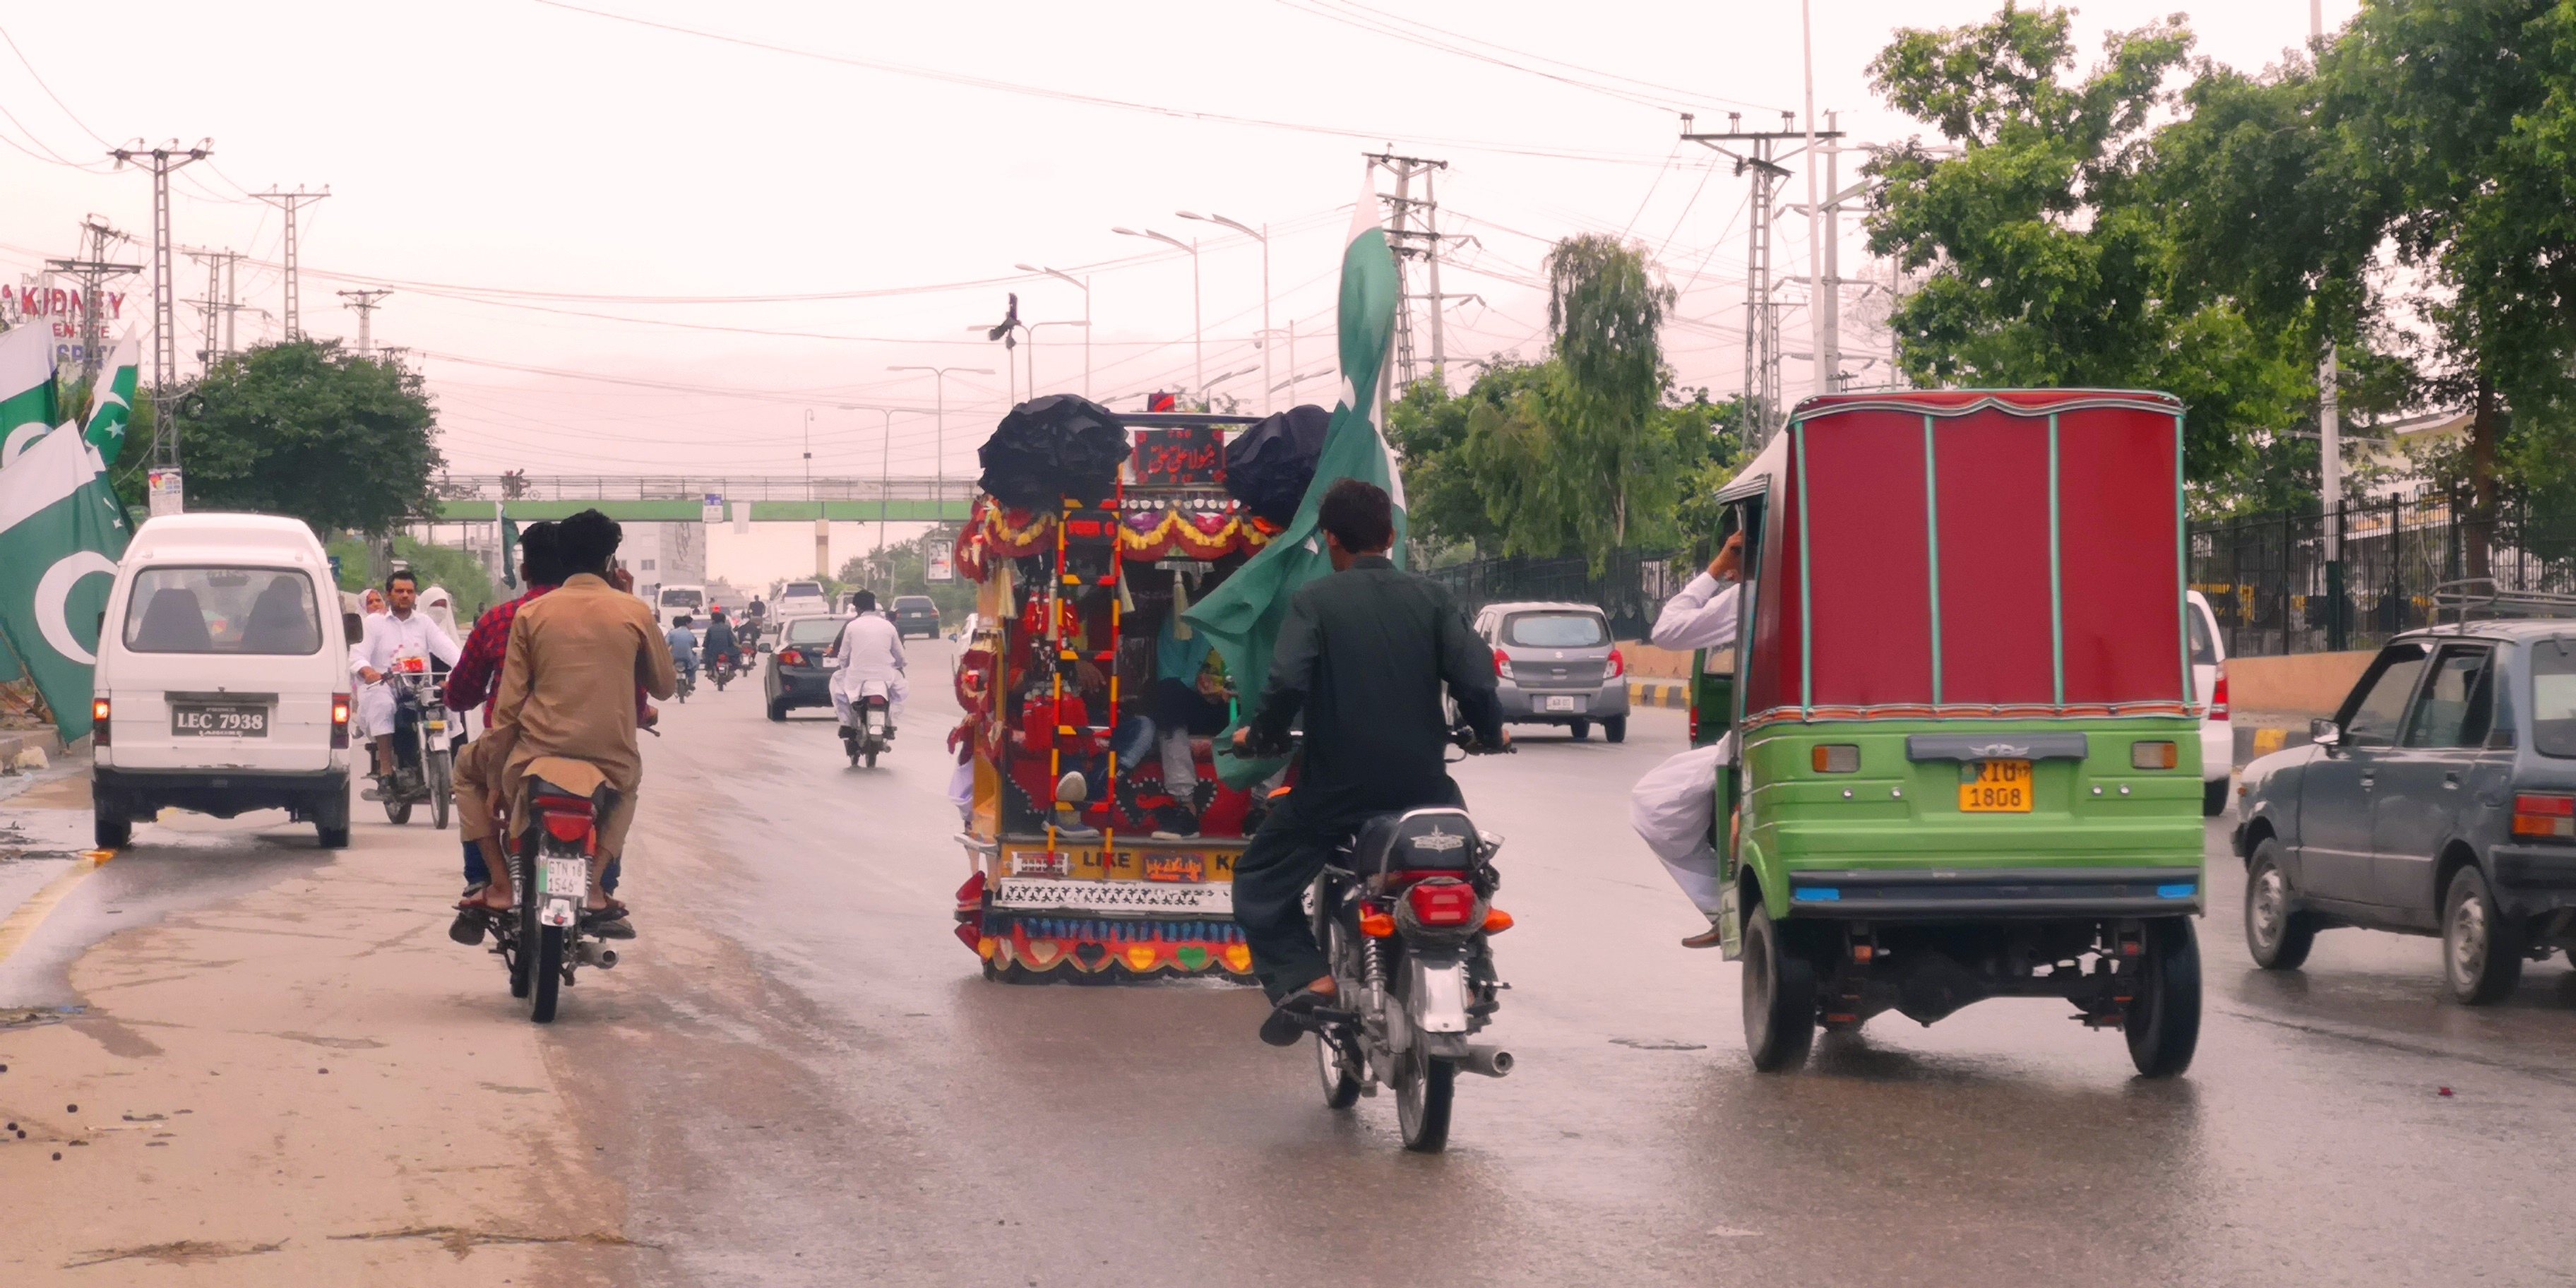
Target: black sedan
2440	800
797	674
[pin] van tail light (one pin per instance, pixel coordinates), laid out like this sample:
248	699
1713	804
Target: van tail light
1618	665
339	722
2544	816
2218	694
98	722
1443	903
1836	758
1502	664
2155	755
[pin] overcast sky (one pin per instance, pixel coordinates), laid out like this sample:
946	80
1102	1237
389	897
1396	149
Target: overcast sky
588	221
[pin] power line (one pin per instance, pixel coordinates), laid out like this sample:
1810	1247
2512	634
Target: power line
290	202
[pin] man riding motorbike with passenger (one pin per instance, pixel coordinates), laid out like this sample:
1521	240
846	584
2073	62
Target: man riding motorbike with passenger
1362	657
721	648
870	648
402	631
683	643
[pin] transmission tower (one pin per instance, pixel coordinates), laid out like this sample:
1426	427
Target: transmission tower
1758	152
220	304
366	302
92	269
1415	234
165	329
290	202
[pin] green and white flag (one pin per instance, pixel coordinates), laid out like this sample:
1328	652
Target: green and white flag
113	406
1242	616
26	387
61	533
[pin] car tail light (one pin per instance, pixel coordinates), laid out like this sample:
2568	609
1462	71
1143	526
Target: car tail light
98	722
1443	903
1376	924
339	722
1618	665
1836	758
2550	816
1502	664
1694	715
791	657
2154	755
2218	694
567	825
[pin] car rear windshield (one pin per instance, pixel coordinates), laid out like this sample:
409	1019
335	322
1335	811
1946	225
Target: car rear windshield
2204	645
2553	698
1556	630
802	590
814	630
264	611
683	599
914	603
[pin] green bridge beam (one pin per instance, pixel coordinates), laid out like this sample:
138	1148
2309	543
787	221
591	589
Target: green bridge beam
691	511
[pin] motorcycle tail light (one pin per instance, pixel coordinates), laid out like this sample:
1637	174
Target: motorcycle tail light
98	722
1835	758
2218	694
1618	665
563	825
2544	816
1497	921
1376	924
1443	903
339	722
1502	664
2154	755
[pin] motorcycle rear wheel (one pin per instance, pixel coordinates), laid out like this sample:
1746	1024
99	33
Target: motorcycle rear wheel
541	948
442	787
1341	1085
397	812
1423	1086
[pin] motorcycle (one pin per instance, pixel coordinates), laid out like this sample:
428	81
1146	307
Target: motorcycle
546	938
688	683
1404	913
873	732
424	763
723	668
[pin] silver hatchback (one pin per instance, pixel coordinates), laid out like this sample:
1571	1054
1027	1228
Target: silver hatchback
1555	663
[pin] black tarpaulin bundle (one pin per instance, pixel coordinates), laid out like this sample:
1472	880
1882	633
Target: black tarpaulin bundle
1053	447
1269	466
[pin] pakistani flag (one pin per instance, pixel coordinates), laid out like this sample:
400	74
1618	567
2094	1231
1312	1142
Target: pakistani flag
1242	616
113	406
61	532
26	387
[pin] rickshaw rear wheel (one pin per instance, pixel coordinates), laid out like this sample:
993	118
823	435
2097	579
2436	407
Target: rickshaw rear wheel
2163	1021
1779	998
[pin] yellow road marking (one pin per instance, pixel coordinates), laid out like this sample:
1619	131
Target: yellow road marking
2267	741
21	924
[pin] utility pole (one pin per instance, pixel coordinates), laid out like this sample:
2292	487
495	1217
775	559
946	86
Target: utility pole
366	302
2329	429
1414	235
1757	151
221	266
92	270
1263	237
291	202
165	330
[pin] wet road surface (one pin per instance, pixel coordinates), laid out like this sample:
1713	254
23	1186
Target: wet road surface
801	1079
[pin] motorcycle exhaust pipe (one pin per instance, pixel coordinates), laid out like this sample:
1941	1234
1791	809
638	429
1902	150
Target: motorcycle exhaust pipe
593	953
1489	1061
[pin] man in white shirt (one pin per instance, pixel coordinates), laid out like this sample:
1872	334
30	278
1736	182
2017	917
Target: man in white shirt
399	632
1673	805
869	648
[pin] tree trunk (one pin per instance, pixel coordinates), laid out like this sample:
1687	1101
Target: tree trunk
2480	527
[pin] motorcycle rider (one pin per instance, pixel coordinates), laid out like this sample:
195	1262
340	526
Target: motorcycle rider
869	648
683	644
401	631
721	648
1672	805
1362	656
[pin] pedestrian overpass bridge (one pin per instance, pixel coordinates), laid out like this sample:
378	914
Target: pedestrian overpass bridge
681	498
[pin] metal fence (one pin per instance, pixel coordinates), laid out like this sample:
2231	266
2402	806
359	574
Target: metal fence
2269	585
1632	586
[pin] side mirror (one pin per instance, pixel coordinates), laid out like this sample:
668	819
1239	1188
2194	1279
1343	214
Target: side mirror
352	627
2325	733
1071	789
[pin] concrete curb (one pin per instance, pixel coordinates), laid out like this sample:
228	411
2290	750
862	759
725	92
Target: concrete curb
15	741
1658	693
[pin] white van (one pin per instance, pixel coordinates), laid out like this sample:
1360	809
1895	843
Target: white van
800	599
223	677
2209	681
671	603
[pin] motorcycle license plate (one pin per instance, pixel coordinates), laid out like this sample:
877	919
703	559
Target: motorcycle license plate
218	720
1995	787
1566	703
563	877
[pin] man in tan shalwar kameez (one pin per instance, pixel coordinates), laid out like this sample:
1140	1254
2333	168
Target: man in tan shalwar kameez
568	689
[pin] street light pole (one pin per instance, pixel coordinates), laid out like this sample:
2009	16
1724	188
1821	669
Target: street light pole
939	463
1084	286
1262	237
1198	319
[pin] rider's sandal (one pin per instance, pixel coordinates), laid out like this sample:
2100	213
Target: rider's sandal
1294	1017
607	923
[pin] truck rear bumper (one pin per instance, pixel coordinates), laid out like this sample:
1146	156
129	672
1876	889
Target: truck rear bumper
1977	894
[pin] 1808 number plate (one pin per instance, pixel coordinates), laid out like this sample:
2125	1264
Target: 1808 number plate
1995	787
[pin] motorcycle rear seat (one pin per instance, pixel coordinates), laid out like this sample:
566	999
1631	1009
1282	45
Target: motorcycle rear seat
579	780
1432	839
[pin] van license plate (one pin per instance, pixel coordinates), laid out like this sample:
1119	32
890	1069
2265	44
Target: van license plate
1562	704
218	720
1996	787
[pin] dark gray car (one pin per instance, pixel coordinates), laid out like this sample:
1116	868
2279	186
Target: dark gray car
2440	800
1556	664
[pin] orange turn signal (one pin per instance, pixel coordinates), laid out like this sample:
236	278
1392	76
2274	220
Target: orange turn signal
1376	925
1497	920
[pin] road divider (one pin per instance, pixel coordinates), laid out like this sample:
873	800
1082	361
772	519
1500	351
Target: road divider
1658	693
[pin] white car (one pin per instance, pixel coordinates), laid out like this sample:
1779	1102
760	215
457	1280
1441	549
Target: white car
800	599
2209	683
672	603
222	684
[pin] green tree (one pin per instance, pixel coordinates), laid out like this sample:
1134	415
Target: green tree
311	430
1444	497
1609	475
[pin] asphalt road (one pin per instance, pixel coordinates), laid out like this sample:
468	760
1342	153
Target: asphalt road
801	1079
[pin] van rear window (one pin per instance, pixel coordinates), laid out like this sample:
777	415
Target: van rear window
683	599
2553	698
260	611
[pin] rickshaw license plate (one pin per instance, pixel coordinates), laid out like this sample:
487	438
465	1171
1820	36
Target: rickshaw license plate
1996	787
